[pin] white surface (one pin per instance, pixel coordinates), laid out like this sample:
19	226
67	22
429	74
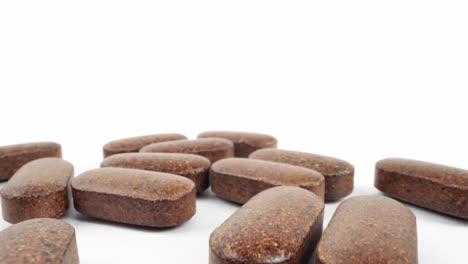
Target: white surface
359	80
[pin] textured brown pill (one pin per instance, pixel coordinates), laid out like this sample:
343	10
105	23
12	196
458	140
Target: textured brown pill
437	187
40	240
369	229
38	189
134	196
238	179
15	156
134	144
279	225
211	148
339	174
244	142
194	167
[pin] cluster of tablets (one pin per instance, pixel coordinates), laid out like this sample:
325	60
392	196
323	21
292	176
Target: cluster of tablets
154	181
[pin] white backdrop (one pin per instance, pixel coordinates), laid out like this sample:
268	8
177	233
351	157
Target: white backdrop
359	80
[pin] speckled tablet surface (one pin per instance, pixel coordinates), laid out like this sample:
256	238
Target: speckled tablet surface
213	149
38	189
369	229
239	179
134	196
437	187
339	174
134	144
194	167
244	142
13	157
39	240
279	225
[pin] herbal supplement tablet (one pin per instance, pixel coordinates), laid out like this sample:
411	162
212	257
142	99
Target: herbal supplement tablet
279	225
133	196
339	174
244	142
38	189
369	229
134	144
238	179
437	187
213	149
15	156
41	240
194	167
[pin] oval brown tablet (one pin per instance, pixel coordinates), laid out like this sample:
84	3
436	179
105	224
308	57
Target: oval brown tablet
369	229
134	144
194	167
244	142
279	225
211	148
39	241
15	156
38	189
437	187
134	196
339	174
238	179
